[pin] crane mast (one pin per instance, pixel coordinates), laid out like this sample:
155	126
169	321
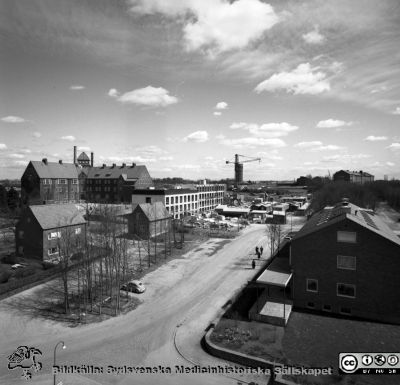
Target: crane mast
239	167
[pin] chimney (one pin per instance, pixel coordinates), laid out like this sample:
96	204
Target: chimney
113	165
133	165
60	161
123	165
104	165
345	202
91	159
44	160
74	154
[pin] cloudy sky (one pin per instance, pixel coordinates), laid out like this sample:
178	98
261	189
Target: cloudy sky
181	86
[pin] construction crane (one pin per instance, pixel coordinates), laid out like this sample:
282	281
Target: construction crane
239	167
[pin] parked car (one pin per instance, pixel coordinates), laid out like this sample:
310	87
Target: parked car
134	286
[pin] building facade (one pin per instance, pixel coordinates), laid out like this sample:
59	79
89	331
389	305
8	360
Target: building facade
359	177
346	261
49	232
50	182
109	183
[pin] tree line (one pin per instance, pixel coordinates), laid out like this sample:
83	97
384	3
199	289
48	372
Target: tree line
366	195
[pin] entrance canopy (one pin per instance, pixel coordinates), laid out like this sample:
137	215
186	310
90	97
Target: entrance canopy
269	277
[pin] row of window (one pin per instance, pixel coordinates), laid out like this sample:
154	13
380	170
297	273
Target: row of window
180	199
342	289
58	181
57	234
328	308
101	181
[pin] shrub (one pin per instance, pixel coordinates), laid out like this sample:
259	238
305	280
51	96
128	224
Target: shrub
10	259
47	265
20	273
4	276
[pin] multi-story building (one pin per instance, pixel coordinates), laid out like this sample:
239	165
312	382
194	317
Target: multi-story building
344	261
178	202
210	195
50	182
359	177
48	232
110	183
183	201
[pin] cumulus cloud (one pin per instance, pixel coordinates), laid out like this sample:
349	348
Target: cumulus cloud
314	143
328	147
70	138
372	138
345	158
77	88
252	142
20	162
84	148
214	25
217	113
148	96
314	37
333	123
3	146
113	93
266	130
197	136
221	106
37	134
302	80
13	119
390	164
394	146
396	111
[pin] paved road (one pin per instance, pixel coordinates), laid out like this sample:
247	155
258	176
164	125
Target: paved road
182	298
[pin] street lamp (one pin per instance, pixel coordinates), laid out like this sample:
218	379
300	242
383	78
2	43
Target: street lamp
55	349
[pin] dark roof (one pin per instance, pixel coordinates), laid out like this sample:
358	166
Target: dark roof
364	217
57	215
153	211
83	156
115	172
174	191
54	170
361	173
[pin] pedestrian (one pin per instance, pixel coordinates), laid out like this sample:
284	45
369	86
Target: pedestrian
253	264
261	250
257	250
258	254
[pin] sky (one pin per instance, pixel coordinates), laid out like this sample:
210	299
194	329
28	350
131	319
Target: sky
181	86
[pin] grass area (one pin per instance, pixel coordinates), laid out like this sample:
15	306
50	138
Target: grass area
312	341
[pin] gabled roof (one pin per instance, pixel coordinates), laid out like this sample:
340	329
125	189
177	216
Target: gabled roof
361	173
57	215
53	170
126	172
364	217
153	211
83	156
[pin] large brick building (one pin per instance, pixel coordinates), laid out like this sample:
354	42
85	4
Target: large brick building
109	183
344	261
46	232
359	177
50	182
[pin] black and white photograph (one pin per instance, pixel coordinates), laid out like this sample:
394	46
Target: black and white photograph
201	192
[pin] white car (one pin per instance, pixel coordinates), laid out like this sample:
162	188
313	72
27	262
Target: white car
134	286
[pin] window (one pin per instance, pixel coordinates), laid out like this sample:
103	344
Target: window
346	236
54	234
52	250
346	290
167	200
346	262
74	181
312	285
62	181
148	199
172	200
327	308
78	230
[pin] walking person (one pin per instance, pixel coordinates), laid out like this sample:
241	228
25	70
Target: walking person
257	250
258	254
253	264
261	250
